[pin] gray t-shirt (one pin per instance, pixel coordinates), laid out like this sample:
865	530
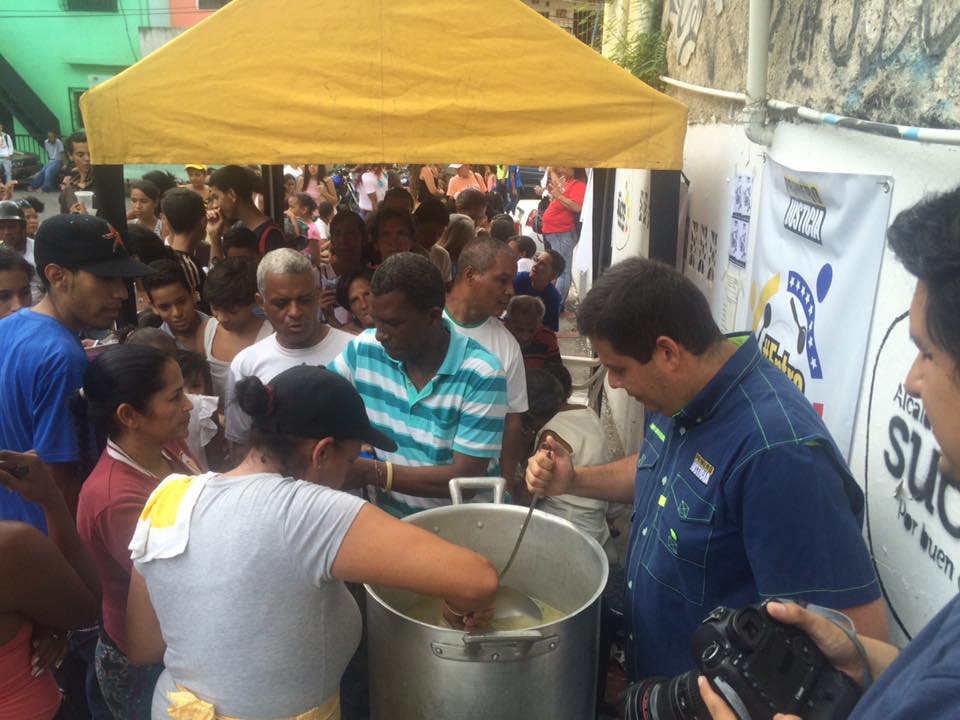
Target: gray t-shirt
253	620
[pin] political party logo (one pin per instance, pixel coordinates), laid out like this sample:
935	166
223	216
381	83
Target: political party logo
785	322
806	211
623	210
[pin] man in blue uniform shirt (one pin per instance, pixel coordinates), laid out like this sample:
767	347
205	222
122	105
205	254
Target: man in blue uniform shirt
739	492
924	680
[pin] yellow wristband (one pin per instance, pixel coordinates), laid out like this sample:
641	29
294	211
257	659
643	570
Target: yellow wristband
389	477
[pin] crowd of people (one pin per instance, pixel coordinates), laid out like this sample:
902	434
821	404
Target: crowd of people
188	490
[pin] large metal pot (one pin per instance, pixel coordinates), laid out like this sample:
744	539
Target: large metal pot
422	672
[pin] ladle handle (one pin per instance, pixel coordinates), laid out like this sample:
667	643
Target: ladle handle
457	485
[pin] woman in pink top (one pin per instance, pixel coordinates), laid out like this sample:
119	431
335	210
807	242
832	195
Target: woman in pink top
135	395
47	583
315	183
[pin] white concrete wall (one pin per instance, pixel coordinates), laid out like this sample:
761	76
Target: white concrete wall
913	520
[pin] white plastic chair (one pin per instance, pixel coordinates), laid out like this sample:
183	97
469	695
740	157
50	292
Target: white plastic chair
593	386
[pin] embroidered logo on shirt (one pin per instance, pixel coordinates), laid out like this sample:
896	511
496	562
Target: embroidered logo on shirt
658	432
702	469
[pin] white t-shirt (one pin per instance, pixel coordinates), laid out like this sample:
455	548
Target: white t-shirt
253	619
323	228
582	431
370	183
496	339
267	359
524	265
220	369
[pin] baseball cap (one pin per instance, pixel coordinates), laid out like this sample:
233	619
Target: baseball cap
312	402
11	210
196	166
85	242
456	166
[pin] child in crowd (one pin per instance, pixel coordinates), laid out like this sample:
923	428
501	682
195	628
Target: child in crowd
325	213
231	292
348	237
197	181
240	242
525	248
538	344
32	207
577	428
145	206
204	432
175	301
298	222
503	227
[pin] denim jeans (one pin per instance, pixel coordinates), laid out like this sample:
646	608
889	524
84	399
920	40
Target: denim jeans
47	177
77	678
126	688
564	243
7	169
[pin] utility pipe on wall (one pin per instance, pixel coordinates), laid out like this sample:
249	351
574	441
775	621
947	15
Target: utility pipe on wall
757	55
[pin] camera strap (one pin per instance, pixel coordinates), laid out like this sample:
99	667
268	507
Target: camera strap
846	627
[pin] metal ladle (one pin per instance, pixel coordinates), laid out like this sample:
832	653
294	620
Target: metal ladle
509	603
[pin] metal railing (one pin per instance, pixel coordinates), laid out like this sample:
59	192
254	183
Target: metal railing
30	144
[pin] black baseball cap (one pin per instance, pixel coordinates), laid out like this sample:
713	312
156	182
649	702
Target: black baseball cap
11	210
312	402
85	242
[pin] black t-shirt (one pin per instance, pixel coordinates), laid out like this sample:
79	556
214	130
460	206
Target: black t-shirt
269	237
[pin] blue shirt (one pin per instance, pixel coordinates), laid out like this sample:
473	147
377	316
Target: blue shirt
741	495
41	366
924	680
550	296
461	409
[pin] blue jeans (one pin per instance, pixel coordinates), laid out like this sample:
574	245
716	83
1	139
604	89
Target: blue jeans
7	169
47	177
564	243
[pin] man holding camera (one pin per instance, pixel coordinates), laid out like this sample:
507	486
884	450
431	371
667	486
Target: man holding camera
923	681
739	492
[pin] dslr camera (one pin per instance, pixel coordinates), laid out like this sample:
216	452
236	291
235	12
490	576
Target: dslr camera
759	666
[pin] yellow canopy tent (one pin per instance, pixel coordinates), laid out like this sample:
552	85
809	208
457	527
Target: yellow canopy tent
291	81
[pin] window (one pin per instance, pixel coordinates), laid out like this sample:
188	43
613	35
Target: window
75	117
561	12
211	4
92	5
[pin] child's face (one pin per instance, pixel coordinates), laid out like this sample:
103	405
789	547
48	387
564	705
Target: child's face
292	202
176	306
302	211
194	384
234	319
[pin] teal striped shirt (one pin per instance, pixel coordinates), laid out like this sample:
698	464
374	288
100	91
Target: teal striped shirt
460	410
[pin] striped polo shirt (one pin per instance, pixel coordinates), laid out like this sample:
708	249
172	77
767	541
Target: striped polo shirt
460	410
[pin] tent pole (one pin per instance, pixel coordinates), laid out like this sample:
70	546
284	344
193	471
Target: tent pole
273	197
604	180
112	206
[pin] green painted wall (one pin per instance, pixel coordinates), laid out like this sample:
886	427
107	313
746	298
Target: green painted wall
56	50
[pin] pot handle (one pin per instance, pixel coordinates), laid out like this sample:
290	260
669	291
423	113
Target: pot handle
497	646
502	638
457	485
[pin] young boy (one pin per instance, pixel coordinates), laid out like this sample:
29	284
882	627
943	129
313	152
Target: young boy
231	292
525	248
175	301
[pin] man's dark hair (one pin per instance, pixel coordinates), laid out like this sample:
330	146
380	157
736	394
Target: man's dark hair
432	210
402	193
926	239
502	227
183	209
34	202
470	198
168	272
239	179
162	179
414	276
544	393
12	260
147	245
481	254
494	205
556	261
78	137
344	283
560	372
377	221
231	284
527	245
239	236
638	300
325	210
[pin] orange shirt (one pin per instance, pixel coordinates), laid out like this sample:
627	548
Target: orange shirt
458	183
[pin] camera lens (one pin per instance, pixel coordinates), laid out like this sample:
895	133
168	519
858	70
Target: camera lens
674	699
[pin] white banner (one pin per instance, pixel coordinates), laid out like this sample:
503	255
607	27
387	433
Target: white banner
820	239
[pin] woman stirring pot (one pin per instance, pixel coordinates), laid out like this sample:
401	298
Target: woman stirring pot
239	578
